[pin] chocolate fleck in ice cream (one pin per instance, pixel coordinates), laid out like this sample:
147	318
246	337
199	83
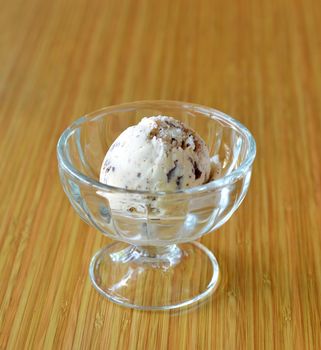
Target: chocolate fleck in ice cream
158	154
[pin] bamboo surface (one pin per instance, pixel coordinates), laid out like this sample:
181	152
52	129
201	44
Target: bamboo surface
256	60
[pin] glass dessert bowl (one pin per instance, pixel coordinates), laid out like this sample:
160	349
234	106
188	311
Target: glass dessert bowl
155	263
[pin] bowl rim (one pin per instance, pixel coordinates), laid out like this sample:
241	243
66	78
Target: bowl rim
231	178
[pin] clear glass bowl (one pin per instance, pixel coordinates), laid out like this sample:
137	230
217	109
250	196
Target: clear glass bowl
152	265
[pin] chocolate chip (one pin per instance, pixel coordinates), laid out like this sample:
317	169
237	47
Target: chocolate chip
195	169
197	172
112	168
139	174
170	174
107	166
179	181
170	124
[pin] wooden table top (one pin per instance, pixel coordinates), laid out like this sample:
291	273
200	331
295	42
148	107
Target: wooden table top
256	60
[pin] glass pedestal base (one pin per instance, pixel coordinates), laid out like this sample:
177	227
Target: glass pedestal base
154	278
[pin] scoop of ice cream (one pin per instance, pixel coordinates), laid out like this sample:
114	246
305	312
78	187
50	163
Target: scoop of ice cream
158	154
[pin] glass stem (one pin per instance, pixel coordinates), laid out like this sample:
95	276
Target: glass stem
170	254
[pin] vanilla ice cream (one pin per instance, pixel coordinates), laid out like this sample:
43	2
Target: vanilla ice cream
158	154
